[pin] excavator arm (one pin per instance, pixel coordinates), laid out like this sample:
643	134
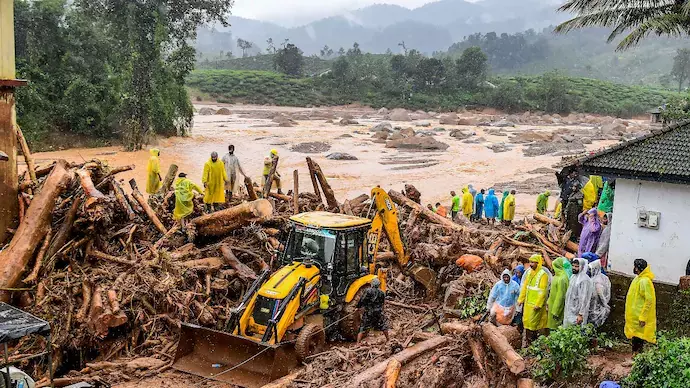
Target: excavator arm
386	219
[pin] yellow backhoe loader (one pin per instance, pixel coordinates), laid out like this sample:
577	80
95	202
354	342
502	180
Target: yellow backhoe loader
284	318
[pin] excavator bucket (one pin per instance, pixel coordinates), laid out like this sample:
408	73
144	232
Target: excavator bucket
229	358
424	276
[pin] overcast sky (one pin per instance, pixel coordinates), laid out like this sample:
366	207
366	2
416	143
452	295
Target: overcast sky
296	11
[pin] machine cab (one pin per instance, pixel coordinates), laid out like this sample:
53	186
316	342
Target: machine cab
335	243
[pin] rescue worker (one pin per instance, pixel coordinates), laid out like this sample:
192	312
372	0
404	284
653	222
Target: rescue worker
455	205
579	295
509	208
599	308
591	192
479	205
606	200
640	307
518	273
605	240
559	287
268	164
543	202
491	207
591	231
214	180
153	172
232	164
373	317
467	202
441	210
184	198
502	299
501	206
572	211
533	295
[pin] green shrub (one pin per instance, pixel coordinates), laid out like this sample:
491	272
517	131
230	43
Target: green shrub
563	354
472	306
664	365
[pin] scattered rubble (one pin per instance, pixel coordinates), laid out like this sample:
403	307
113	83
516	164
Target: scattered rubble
417	143
223	111
312	147
340	156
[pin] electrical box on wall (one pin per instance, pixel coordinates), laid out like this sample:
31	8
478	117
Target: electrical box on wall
648	219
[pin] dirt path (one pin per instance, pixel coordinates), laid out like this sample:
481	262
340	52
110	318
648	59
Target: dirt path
435	174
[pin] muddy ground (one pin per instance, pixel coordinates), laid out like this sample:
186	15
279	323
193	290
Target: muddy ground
486	152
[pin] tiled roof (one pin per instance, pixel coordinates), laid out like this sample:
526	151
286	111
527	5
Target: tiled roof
661	156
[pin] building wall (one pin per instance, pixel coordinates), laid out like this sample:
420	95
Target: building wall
667	249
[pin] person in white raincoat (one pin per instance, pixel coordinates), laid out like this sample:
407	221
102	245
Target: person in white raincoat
599	308
579	295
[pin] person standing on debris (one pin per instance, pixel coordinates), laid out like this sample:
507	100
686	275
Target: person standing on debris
640	307
153	172
502	299
566	185
502	205
268	165
543	202
214	180
232	164
533	293
184	198
606	200
373	317
579	295
572	209
479	205
559	287
491	207
591	192
509	208
455	205
472	190
605	240
599	308
467	202
441	210
591	231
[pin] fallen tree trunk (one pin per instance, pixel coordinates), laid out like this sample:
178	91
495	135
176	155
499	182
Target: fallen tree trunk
572	246
295	192
147	209
455	328
314	181
225	221
250	188
169	178
63	233
242	269
327	190
500	345
281	197
122	200
546	220
392	373
15	258
427	214
207	264
403	357
39	258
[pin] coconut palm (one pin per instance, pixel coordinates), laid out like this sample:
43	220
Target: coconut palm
635	19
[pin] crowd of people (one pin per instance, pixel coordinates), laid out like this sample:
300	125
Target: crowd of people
219	180
476	206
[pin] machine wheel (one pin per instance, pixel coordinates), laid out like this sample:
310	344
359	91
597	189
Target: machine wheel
310	340
349	326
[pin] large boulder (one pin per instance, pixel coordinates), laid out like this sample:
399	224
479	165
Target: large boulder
383	111
381	135
396	136
223	111
407	132
423	123
417	143
340	156
614	129
460	134
400	115
466	121
449	119
384	126
346	121
206	111
503	124
420	115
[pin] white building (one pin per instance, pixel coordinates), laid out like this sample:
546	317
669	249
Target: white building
651	208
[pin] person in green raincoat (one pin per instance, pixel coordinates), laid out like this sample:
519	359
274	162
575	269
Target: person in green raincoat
543	202
533	293
606	200
153	172
568	268
559	287
184	198
500	207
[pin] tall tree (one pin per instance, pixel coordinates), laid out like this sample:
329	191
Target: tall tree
634	18
244	45
472	68
290	60
681	67
270	47
152	38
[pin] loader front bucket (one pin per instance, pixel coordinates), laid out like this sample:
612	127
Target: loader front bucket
230	358
424	276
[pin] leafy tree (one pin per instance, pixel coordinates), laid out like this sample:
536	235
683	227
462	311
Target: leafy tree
244	45
326	52
341	52
472	68
355	51
429	74
290	60
635	18
681	67
270	47
555	93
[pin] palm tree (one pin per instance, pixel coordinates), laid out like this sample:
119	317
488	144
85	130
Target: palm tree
636	19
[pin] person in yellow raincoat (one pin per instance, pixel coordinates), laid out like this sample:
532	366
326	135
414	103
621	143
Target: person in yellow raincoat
467	202
640	307
268	164
184	198
509	208
214	179
533	294
591	191
153	172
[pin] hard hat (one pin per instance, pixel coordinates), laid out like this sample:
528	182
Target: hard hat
274	152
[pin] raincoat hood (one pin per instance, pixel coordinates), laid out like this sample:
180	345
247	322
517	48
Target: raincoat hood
547	193
505	272
647	273
558	265
154	152
491	192
520	269
540	264
578	297
506	193
465	189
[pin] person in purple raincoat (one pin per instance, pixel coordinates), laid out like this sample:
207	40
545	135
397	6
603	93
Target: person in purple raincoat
591	230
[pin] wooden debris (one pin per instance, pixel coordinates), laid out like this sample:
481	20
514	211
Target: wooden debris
500	345
149	212
392	373
225	221
327	190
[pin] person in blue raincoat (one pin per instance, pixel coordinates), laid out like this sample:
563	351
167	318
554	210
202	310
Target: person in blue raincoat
503	299
491	207
479	205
